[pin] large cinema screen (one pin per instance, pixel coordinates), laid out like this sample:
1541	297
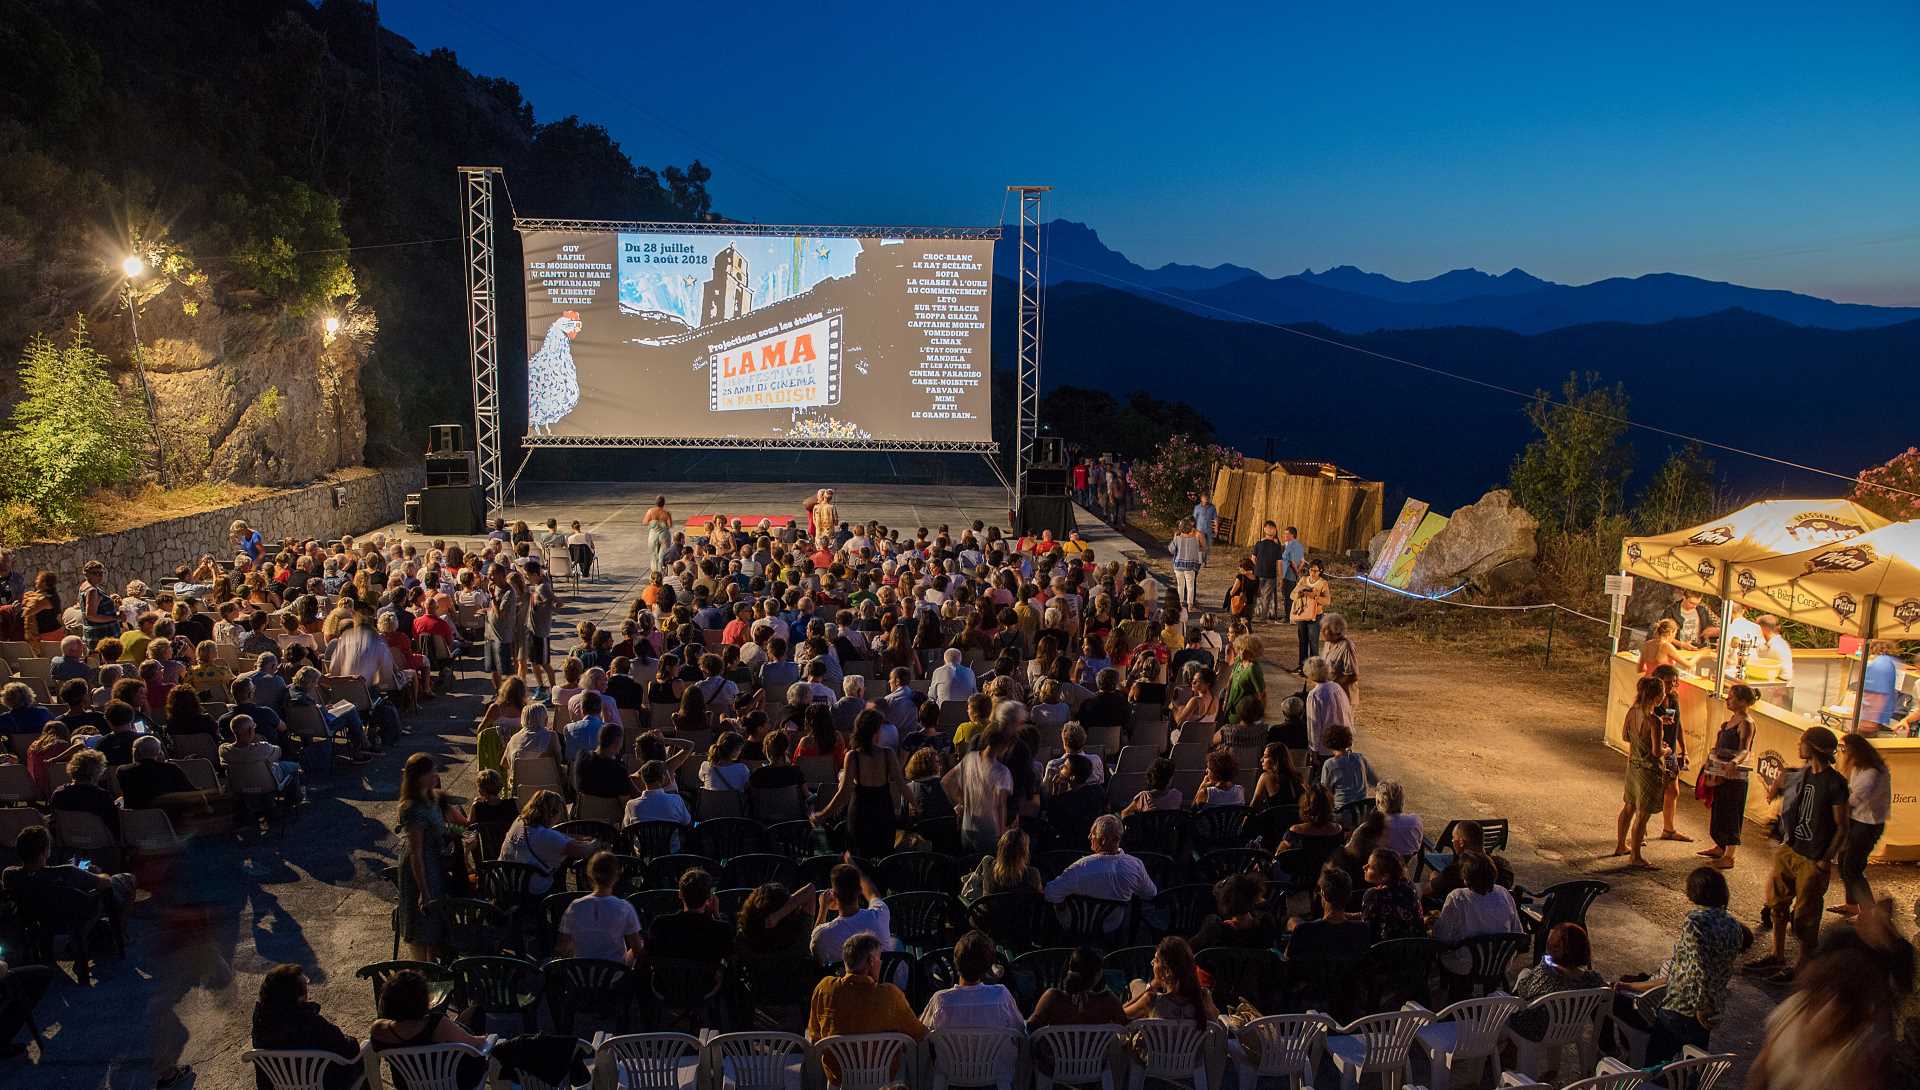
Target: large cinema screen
763	339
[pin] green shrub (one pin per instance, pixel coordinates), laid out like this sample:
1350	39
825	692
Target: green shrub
71	432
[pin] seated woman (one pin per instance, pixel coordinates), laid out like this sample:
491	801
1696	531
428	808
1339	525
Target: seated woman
1568	966
307	691
571	671
186	716
723	770
1280	784
1217	787
1080	999
531	839
1243	922
1481	907
1048	709
1007	870
285	1020
1201	709
534	741
408	1019
775	922
1175	992
1310	842
601	924
1160	793
50	748
1391	905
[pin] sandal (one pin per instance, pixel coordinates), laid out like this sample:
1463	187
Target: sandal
1675	834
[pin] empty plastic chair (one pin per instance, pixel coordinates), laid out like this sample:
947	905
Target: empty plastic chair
973	1057
1280	1046
1465	1033
1073	1056
1378	1043
1573	1019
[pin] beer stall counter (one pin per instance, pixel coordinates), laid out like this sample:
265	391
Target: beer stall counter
1828	564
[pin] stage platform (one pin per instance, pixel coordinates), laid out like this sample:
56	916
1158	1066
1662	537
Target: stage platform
612	511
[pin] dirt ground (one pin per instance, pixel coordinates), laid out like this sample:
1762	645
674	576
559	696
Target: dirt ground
1476	726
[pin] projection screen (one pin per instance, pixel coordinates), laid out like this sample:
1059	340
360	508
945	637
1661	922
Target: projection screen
757	337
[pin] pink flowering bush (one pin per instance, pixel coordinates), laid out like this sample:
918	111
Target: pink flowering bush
1179	471
1892	489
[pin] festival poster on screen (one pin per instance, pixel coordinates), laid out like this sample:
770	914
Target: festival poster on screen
780	338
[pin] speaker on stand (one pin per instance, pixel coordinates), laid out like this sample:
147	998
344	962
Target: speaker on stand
1048	502
451	502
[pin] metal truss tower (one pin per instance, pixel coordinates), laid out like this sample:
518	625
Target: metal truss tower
1026	419
483	342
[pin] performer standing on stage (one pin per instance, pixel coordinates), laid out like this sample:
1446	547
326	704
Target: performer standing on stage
659	523
825	519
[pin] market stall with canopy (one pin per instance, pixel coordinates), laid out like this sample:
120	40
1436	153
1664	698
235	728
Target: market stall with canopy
1828	564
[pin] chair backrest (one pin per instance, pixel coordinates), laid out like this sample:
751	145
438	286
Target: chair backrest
79	830
1571	1014
753	1061
1091	920
817	769
867	1061
1568	902
1170	1048
347	687
1479	1023
305	721
1386	1037
1614	1080
598	808
196	745
777	804
1080	1054
535	772
301	1068
16	785
148	830
1490	956
723	803
1288	1045
1696	1070
974	1057
1189	755
434	1067
645	1061
199	773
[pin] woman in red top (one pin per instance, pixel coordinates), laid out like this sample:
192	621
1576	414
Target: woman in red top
820	739
403	654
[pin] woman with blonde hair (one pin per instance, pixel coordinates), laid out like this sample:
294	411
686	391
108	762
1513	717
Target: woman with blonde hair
532	840
534	740
1660	649
1007	870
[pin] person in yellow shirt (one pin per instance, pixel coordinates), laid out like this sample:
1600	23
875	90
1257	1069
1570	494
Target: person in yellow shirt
208	675
979	709
858	1001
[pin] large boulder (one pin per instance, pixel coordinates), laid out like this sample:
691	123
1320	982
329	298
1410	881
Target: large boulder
1490	534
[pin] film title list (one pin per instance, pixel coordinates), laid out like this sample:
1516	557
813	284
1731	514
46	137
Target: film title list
569	279
951	291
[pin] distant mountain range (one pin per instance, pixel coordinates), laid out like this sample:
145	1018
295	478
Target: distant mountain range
1356	301
1816	396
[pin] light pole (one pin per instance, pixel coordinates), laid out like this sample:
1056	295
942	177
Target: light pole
134	267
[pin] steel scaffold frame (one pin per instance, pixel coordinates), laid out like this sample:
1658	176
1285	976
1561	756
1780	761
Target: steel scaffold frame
483	341
809	230
1026	412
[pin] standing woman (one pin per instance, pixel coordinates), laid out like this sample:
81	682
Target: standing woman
242	538
1311	597
1341	658
1646	772
100	614
659	523
40	609
1869	795
1728	794
1247	679
1675	739
423	875
1246	592
1189	551
872	784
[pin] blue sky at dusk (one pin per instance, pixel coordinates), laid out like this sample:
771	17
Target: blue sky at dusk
1776	145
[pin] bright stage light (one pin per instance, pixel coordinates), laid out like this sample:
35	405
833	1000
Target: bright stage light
332	324
133	266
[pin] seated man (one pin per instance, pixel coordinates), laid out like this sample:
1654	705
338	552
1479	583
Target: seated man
71	663
1073	803
1108	706
1337	934
658	801
857	909
858	1001
266	721
33	883
247	749
973	1003
151	782
1108	873
1467	836
696	932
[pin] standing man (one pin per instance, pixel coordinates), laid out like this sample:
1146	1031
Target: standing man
1813	832
542	600
1696	624
1205	518
1267	554
1293	562
1080	482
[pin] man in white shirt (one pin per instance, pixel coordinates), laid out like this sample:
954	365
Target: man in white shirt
1109	873
857	907
1742	630
247	749
901	705
1773	646
657	803
971	1004
979	785
953	680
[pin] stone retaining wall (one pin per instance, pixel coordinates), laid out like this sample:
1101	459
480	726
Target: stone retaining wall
151	552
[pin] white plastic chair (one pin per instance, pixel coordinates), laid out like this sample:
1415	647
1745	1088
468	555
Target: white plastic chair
1465	1033
437	1067
1170	1050
526	1080
1514	1080
1378	1043
1696	1070
1078	1055
869	1061
973	1057
645	1061
149	832
1289	1047
1573	1019
754	1061
1611	1074
1636	1038
305	1069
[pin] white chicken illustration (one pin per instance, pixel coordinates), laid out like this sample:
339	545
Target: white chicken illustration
553	386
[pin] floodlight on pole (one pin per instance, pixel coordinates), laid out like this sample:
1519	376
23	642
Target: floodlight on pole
133	266
332	325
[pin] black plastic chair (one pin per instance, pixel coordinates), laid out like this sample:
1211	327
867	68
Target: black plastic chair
1180	910
510	887
1236	974
732	900
1227	862
1163	869
1399	971
935	971
651	904
1323	982
22	989
941	832
1270	823
648	839
1162	831
686	992
1095	922
722	838
1016	921
1490	957
602	990
663	872
1124	966
1032	973
1052	862
817	870
1219	827
606	835
1562	902
62	912
907	872
922	919
552	907
774	993
474	927
760	868
503	986
1435	854
793	839
492	834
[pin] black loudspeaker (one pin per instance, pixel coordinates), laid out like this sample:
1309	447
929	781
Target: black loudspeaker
456	469
1049	452
452	509
1047	480
446	439
412	509
1039	513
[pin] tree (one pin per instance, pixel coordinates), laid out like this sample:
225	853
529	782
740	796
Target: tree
72	430
1576	471
289	244
1683	492
1892	488
1177	472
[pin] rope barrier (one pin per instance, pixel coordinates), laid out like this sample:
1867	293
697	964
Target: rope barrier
1442	599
